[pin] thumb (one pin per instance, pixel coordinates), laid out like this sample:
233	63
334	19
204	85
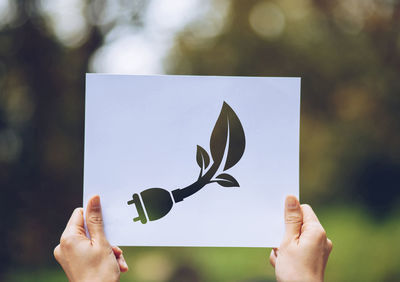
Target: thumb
94	220
293	218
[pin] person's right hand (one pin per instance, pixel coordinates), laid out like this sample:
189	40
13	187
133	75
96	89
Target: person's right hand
89	259
304	251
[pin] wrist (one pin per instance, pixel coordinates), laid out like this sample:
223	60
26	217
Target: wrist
99	278
314	278
303	277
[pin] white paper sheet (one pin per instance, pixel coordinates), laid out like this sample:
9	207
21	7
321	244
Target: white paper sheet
142	132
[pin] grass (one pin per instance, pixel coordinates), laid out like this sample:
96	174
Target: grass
365	249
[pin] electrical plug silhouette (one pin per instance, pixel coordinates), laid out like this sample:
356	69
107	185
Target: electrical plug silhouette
156	201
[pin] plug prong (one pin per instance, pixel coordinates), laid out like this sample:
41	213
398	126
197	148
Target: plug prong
141	215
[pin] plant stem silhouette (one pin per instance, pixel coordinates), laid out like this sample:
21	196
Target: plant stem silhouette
180	194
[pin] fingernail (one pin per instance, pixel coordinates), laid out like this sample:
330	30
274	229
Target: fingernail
96	202
124	262
291	203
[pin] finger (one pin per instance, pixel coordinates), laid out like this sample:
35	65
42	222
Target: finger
330	244
117	251
57	253
308	214
75	225
272	257
311	227
123	266
94	220
293	218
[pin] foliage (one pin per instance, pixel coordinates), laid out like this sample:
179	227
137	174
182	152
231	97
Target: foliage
364	250
348	55
41	128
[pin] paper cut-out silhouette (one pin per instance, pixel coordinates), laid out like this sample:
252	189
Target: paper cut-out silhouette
227	136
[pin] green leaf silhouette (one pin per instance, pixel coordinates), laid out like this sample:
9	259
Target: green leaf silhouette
237	140
219	136
202	158
226	180
227	125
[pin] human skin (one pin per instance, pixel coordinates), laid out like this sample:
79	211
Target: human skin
89	259
302	256
304	251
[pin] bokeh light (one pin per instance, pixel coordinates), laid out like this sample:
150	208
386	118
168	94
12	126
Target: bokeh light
346	51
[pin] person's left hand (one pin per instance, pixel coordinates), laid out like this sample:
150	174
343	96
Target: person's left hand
89	259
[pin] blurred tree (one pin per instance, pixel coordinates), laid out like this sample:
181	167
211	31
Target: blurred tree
41	121
348	55
346	51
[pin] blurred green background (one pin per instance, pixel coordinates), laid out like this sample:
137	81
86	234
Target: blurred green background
346	51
